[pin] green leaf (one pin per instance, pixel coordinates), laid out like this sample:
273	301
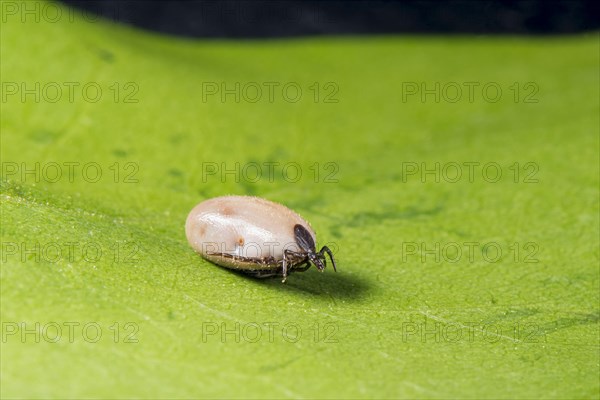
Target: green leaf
481	288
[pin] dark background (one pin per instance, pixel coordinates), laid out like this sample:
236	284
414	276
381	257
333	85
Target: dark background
235	19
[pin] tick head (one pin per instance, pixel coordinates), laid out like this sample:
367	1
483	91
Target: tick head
319	262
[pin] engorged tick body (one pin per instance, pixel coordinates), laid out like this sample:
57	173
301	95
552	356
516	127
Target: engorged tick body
254	235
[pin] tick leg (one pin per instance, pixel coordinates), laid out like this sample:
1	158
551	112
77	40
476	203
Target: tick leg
326	250
304	268
261	274
284	269
291	254
290	258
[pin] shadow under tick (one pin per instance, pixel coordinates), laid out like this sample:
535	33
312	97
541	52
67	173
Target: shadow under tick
322	284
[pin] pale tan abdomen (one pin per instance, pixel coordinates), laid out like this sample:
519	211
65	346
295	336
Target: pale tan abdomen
243	232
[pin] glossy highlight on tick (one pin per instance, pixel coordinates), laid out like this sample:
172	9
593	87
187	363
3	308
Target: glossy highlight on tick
256	236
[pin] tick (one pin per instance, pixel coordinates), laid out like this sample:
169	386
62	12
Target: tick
255	236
